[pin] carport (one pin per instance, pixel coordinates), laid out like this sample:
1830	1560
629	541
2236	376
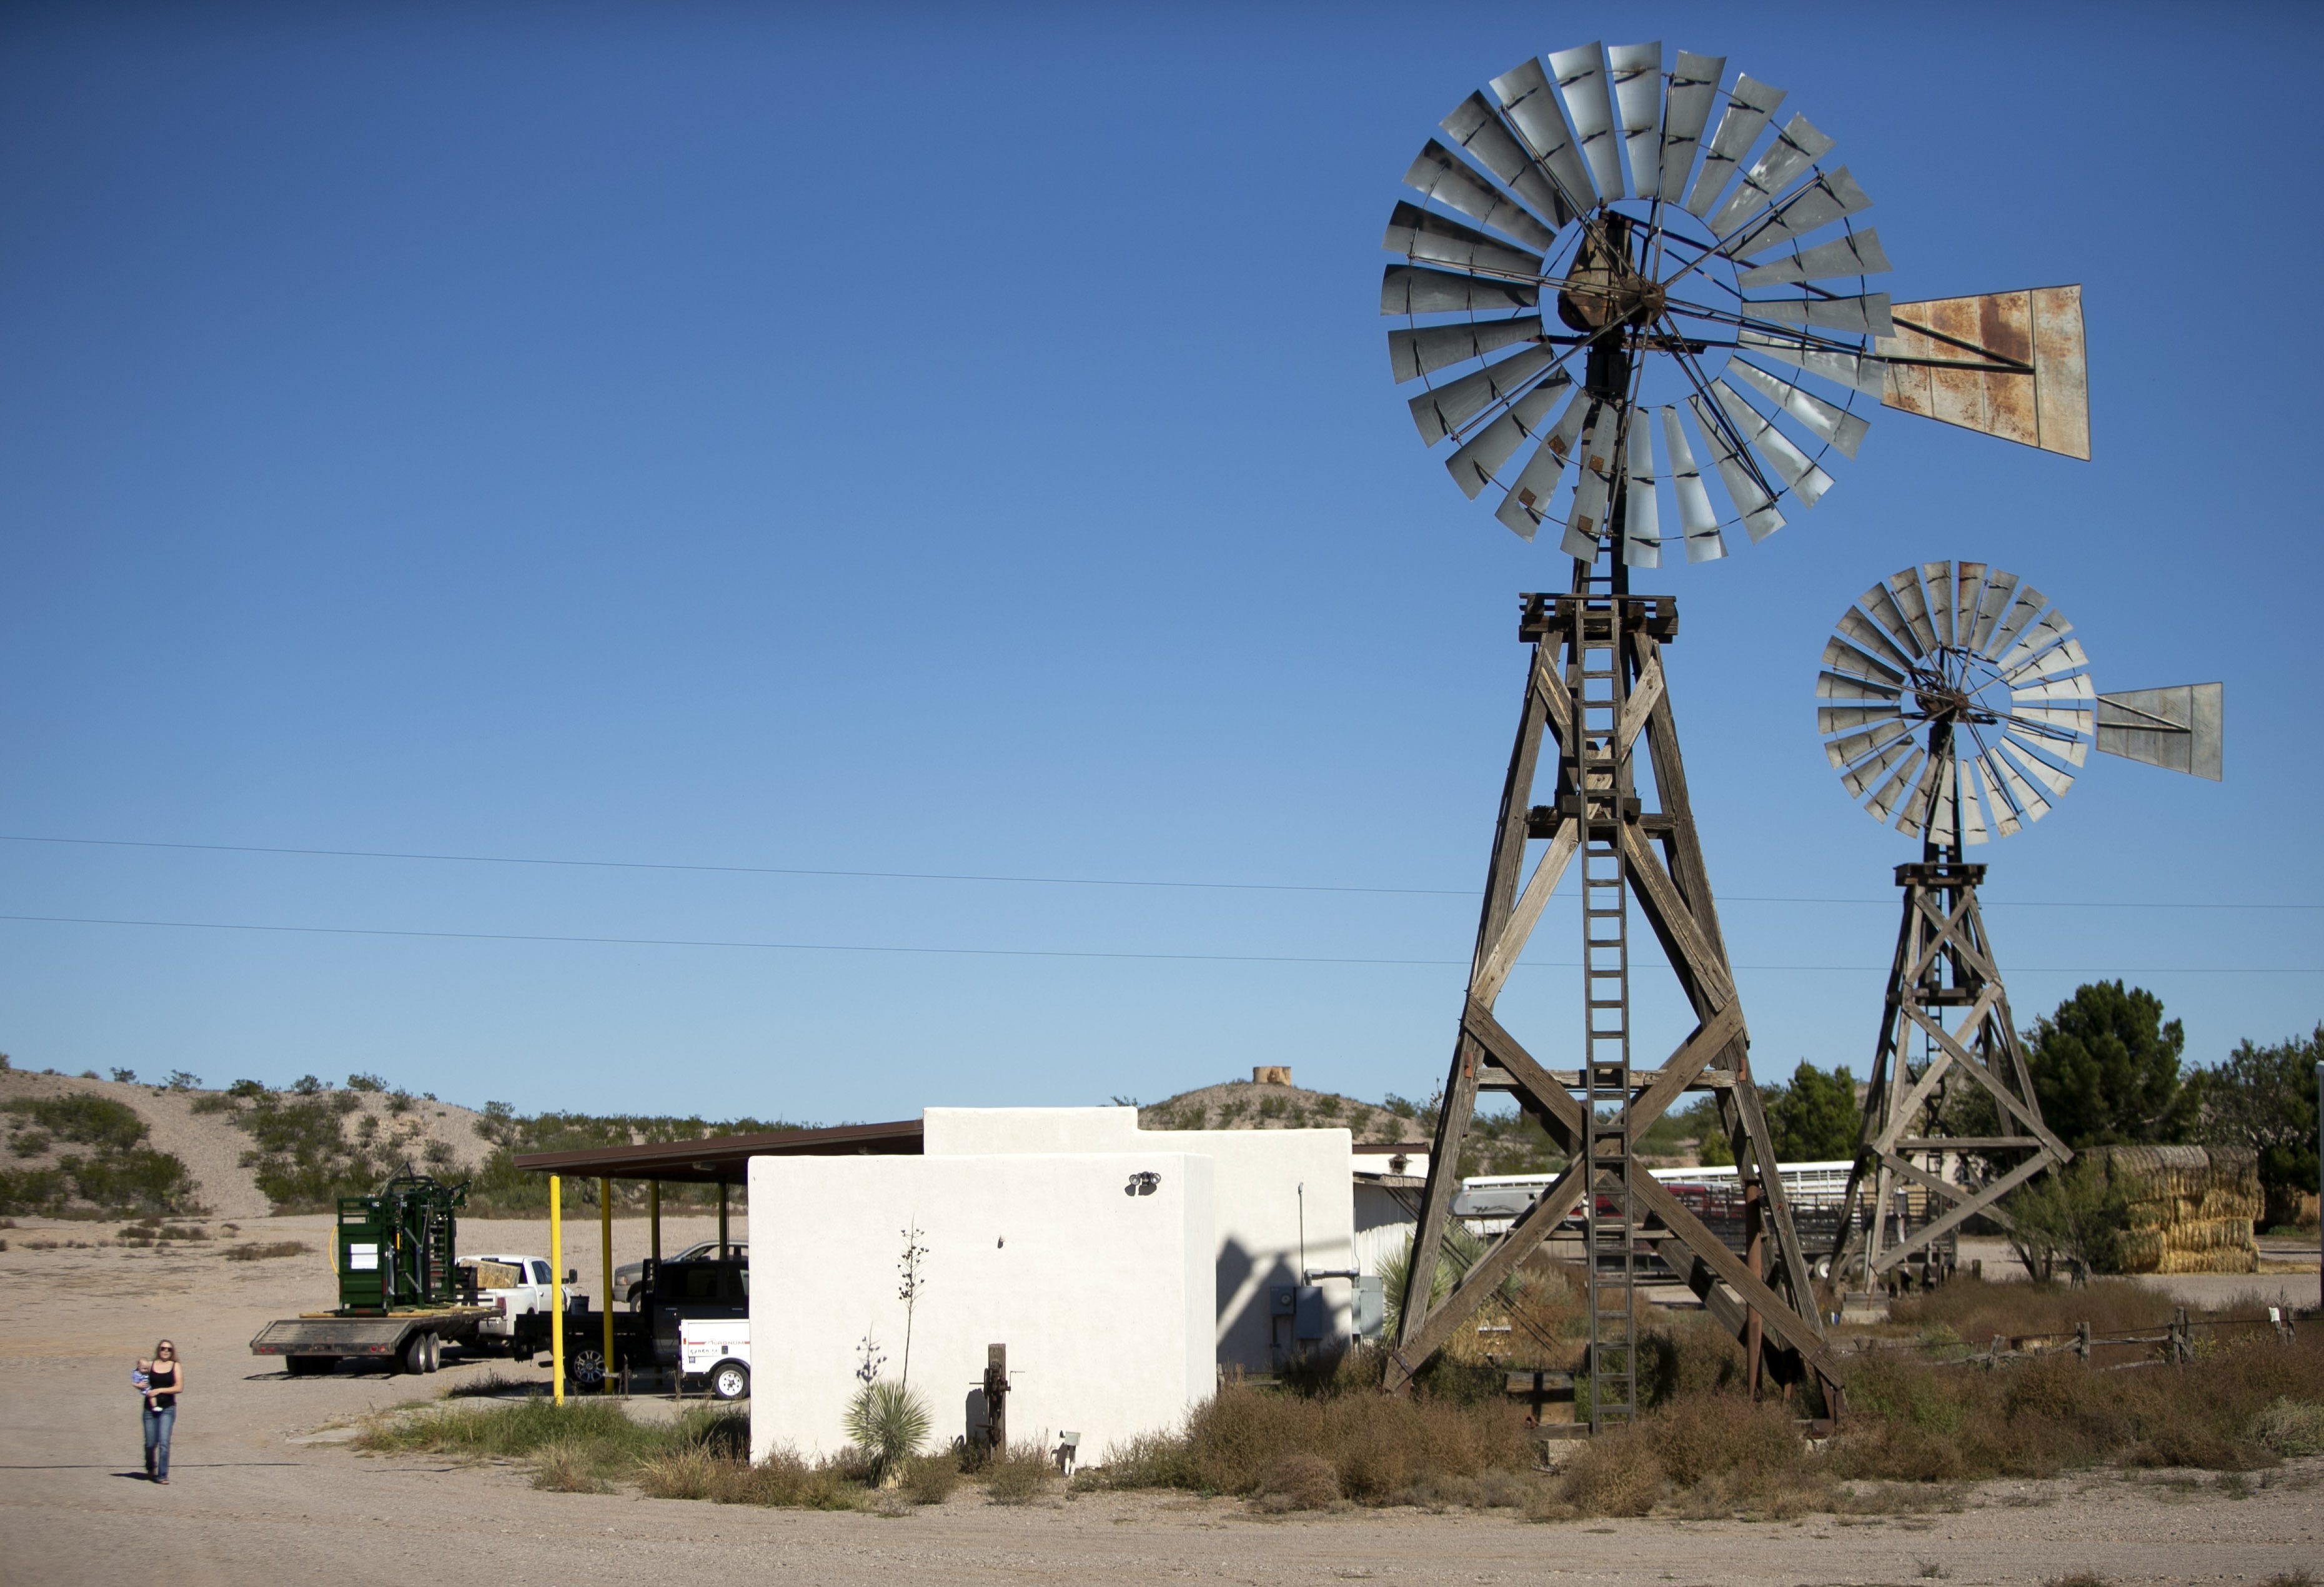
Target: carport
722	1161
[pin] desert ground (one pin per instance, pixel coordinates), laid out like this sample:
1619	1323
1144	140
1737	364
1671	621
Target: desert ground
265	1488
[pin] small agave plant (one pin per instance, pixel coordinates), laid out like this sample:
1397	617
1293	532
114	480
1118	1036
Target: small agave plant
889	1423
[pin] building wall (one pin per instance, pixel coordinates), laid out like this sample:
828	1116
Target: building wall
1263	1178
1385	1221
1103	1296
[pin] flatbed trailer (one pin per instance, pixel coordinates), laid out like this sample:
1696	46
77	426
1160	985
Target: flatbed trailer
407	1341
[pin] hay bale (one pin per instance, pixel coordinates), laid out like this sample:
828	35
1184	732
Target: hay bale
495	1274
2187	1209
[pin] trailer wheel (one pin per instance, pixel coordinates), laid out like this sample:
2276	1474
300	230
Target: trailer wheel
412	1358
585	1368
435	1352
729	1381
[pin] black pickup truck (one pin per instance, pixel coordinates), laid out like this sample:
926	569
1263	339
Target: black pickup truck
645	1337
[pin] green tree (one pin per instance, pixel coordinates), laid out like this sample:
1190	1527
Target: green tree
2107	1070
2070	1215
2263	1099
1815	1119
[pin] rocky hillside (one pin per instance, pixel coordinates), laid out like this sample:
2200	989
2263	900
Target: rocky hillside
1243	1104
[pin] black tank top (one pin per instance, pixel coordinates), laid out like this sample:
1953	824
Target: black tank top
155	1381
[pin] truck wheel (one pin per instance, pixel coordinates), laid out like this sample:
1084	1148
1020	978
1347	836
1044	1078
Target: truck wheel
412	1358
435	1352
729	1381
585	1368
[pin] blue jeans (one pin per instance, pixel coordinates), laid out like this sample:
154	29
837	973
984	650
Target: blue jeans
158	1425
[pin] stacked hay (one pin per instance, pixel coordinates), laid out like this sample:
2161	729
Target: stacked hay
2190	1208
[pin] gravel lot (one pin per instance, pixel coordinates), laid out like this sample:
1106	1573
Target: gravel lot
264	1491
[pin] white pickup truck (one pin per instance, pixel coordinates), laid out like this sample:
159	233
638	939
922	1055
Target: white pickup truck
519	1287
717	1351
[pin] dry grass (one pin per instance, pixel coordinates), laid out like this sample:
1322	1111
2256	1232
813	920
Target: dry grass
1913	1422
1972	1311
930	1479
1271	1444
783	1479
256	1252
1302	1482
1018	1476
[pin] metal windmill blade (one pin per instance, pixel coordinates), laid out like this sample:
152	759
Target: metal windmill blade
1971	672
1566	176
1694	235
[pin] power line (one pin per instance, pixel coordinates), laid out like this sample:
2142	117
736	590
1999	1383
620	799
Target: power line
847	947
551	861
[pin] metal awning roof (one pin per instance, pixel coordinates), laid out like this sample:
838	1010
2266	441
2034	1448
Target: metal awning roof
725	1159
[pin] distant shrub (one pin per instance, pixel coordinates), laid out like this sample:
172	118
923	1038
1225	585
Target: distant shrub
267	1252
82	1118
365	1083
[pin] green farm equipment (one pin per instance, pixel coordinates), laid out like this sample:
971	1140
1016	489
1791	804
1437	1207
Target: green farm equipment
395	1248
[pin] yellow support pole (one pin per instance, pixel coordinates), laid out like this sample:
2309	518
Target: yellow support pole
653	1202
605	1267
556	1293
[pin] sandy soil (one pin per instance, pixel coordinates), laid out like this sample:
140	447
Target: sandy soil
267	1490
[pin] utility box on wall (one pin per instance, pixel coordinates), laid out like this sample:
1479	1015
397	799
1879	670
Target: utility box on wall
1303	1304
1372	1307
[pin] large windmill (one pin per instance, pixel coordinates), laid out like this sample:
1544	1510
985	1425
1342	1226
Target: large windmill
1712	320
1956	706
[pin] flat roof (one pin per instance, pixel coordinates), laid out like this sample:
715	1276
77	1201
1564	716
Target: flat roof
725	1160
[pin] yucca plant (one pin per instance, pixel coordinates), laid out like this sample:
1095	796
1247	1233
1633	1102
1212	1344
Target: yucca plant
889	1423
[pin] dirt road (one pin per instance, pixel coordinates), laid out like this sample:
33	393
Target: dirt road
261	1496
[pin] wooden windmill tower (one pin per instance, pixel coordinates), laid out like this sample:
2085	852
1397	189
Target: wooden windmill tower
1956	707
1713	320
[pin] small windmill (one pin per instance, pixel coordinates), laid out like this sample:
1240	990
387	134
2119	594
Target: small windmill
1957	707
1714	326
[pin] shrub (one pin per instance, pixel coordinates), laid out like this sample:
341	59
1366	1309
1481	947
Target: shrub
1151	1460
142	1178
83	1117
31	1190
256	1252
1377	1445
31	1143
2291	1428
1301	1481
929	1479
1617	1473
1017	1476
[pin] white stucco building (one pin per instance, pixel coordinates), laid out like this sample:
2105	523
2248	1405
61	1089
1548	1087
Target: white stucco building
1119	1297
1101	1294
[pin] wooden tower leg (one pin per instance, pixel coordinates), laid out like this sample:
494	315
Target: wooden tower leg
1596	690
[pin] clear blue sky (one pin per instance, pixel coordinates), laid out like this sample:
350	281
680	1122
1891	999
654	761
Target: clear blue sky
918	441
